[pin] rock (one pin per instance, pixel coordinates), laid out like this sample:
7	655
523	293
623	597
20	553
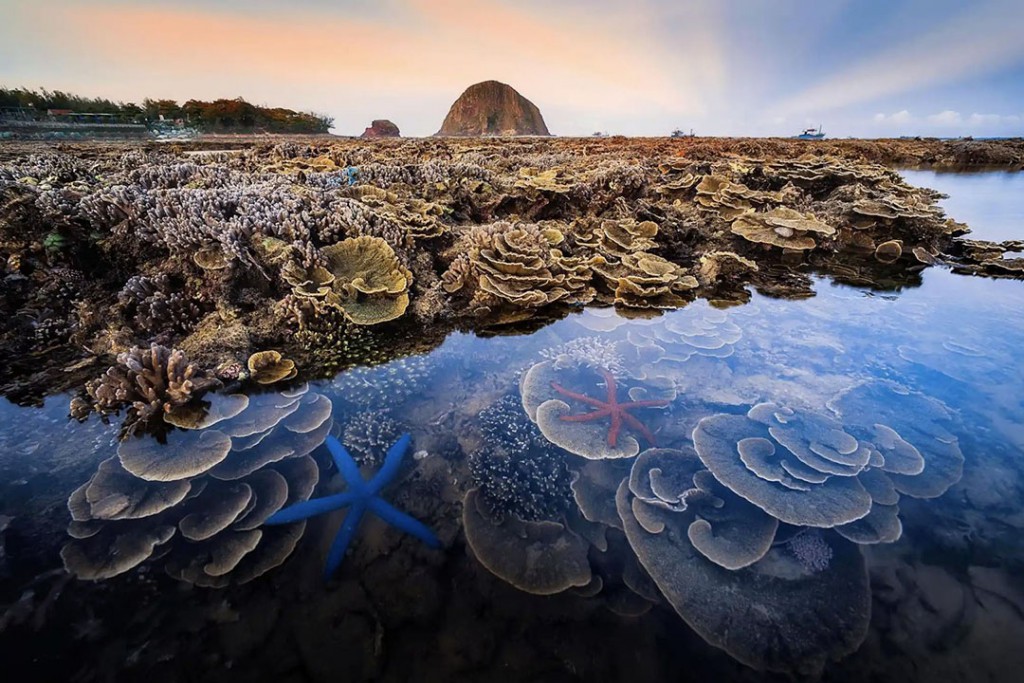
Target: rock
381	128
493	108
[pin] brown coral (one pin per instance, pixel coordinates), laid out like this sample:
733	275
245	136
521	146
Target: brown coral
267	367
643	280
782	227
149	382
370	285
517	265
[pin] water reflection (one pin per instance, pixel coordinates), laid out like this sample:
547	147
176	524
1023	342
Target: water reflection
989	202
826	484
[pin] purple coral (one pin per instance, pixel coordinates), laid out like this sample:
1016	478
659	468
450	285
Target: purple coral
811	550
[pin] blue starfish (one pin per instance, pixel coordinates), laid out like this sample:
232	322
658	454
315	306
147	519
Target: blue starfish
361	496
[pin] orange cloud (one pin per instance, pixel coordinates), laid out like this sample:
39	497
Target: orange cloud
559	58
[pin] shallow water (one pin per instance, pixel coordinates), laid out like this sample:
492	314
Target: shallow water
943	602
987	201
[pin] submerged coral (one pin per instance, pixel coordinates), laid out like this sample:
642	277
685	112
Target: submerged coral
518	472
551	394
368	434
197	499
810	469
591	352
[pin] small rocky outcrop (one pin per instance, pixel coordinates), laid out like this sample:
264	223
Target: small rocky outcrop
381	128
493	108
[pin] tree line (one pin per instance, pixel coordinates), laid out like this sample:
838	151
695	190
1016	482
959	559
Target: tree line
218	115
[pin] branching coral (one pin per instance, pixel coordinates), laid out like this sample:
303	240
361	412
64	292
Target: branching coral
149	383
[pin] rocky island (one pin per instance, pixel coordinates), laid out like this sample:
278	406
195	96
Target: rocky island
381	128
492	108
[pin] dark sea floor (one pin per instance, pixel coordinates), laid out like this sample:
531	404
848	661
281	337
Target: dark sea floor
946	598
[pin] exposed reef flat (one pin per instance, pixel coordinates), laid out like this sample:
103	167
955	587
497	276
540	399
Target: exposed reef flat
905	152
344	252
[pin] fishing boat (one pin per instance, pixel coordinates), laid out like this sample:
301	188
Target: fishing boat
811	134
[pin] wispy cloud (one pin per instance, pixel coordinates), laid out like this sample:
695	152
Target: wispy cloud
948	121
946	118
646	67
902	116
982	38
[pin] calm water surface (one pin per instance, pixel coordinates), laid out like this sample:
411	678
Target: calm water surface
940	364
987	201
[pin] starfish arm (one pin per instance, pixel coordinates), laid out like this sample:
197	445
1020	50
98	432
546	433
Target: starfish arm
401	520
583	398
392	462
345	535
640	428
346	464
613	429
586	417
652	403
609	382
311	508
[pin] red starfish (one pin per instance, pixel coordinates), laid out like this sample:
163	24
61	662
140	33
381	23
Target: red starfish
612	409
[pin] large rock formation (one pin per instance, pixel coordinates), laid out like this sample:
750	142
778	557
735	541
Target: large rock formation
381	128
493	108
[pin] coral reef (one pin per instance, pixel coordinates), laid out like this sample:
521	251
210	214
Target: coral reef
810	469
518	472
284	240
197	499
811	549
591	352
368	434
517	267
369	284
541	557
269	367
773	615
547	386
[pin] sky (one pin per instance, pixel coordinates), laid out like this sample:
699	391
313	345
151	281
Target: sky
862	68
